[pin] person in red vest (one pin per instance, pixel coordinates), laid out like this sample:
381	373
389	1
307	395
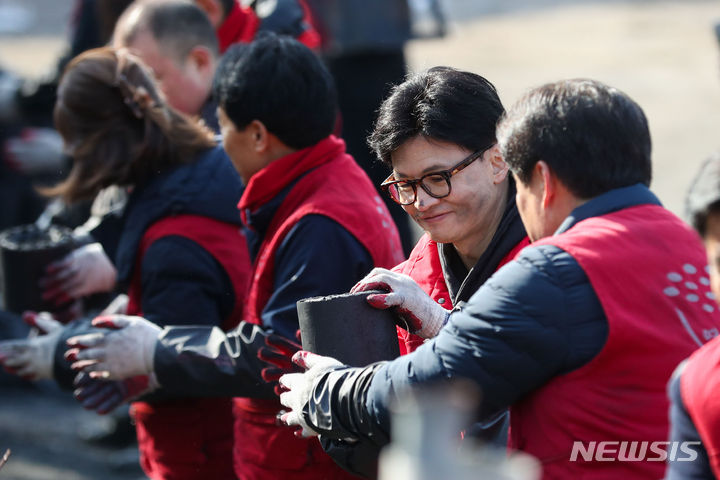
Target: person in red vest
580	333
695	386
315	226
181	256
236	23
450	178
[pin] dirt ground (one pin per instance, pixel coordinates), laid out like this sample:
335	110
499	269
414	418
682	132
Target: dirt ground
663	54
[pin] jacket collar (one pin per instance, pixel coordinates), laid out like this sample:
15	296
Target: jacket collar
274	178
608	202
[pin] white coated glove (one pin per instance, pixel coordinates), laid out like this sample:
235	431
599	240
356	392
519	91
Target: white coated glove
419	313
300	385
83	271
125	351
32	358
36	150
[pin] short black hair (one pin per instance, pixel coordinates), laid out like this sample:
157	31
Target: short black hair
441	103
594	137
177	25
703	198
280	82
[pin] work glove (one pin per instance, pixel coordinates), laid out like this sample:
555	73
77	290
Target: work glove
125	350
299	389
104	396
32	358
35	151
277	353
419	314
83	271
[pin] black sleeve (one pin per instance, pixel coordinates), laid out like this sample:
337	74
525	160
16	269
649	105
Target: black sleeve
318	257
182	284
536	318
207	362
682	429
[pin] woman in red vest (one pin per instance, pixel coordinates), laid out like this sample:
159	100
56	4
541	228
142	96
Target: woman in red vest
181	255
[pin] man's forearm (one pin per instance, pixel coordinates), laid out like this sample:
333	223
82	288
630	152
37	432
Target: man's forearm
339	406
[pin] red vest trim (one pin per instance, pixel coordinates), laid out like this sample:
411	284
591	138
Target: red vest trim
224	241
425	268
700	391
330	184
191	438
648	270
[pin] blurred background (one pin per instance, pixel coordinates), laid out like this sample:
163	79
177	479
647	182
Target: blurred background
664	54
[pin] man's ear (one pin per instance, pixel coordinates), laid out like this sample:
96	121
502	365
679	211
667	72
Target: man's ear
549	183
497	162
259	136
201	58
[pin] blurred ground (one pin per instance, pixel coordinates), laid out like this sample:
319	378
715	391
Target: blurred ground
663	54
43	429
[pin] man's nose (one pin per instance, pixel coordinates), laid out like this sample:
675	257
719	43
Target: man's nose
423	200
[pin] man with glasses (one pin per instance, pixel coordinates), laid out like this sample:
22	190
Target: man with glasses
449	176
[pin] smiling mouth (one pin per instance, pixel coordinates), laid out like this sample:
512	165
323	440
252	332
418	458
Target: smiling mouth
432	218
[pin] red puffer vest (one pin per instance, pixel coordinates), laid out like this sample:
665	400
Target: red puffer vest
191	438
648	270
423	265
329	183
700	390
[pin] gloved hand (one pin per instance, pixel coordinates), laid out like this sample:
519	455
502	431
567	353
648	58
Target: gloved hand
83	271
36	150
32	358
419	313
277	353
125	351
104	396
299	388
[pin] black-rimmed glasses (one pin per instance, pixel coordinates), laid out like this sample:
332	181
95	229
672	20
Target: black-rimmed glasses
435	184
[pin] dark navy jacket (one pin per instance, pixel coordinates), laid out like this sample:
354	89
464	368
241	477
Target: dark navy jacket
182	283
510	338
